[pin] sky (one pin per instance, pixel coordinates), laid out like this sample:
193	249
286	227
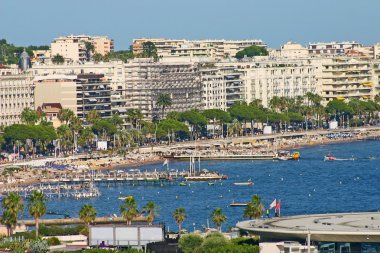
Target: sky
38	22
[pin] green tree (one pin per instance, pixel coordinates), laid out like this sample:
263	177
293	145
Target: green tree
65	115
97	57
134	116
104	128
29	116
58	59
92	117
87	214
149	50
151	210
217	116
12	206
190	243
129	210
179	216
196	120
213	241
123	55
89	49
217	216
164	100
255	208
37	207
252	51
171	127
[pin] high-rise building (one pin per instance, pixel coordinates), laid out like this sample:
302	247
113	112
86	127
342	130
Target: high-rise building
146	80
16	94
345	78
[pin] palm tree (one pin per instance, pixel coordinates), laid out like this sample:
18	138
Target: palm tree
65	115
164	100
37	207
134	116
87	214
179	216
255	208
92	116
217	216
12	207
129	210
151	209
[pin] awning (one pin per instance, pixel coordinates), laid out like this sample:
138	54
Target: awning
121	109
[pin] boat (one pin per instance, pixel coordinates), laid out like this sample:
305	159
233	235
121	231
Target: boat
202	175
287	155
182	184
235	204
124	197
211	183
329	157
243	183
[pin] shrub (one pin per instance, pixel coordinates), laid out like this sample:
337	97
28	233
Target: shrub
52	241
189	243
214	240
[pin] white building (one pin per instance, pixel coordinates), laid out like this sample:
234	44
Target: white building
345	78
290	50
207	49
332	48
16	94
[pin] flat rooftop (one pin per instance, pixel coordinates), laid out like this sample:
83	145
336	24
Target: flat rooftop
335	227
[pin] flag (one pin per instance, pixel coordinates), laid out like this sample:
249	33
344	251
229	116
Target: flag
165	162
278	206
274	203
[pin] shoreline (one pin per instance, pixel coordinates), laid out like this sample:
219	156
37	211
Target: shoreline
33	176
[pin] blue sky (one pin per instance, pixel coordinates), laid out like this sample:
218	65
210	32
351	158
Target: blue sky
25	22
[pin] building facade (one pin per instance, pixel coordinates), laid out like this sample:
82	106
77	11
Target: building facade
73	48
332	48
146	80
214	49
346	78
16	94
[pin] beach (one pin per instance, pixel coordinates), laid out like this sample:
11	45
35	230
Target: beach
51	169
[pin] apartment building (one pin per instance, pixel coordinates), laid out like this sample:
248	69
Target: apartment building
214	49
56	89
80	93
146	80
290	50
332	48
16	94
73	47
222	85
279	77
93	93
345	78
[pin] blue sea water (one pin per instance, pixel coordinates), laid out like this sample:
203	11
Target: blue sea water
307	186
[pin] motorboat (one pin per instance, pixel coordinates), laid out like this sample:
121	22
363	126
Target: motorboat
124	197
243	183
287	155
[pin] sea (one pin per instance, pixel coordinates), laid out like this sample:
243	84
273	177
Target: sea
308	186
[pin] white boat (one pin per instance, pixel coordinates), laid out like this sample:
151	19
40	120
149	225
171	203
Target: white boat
243	183
203	175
